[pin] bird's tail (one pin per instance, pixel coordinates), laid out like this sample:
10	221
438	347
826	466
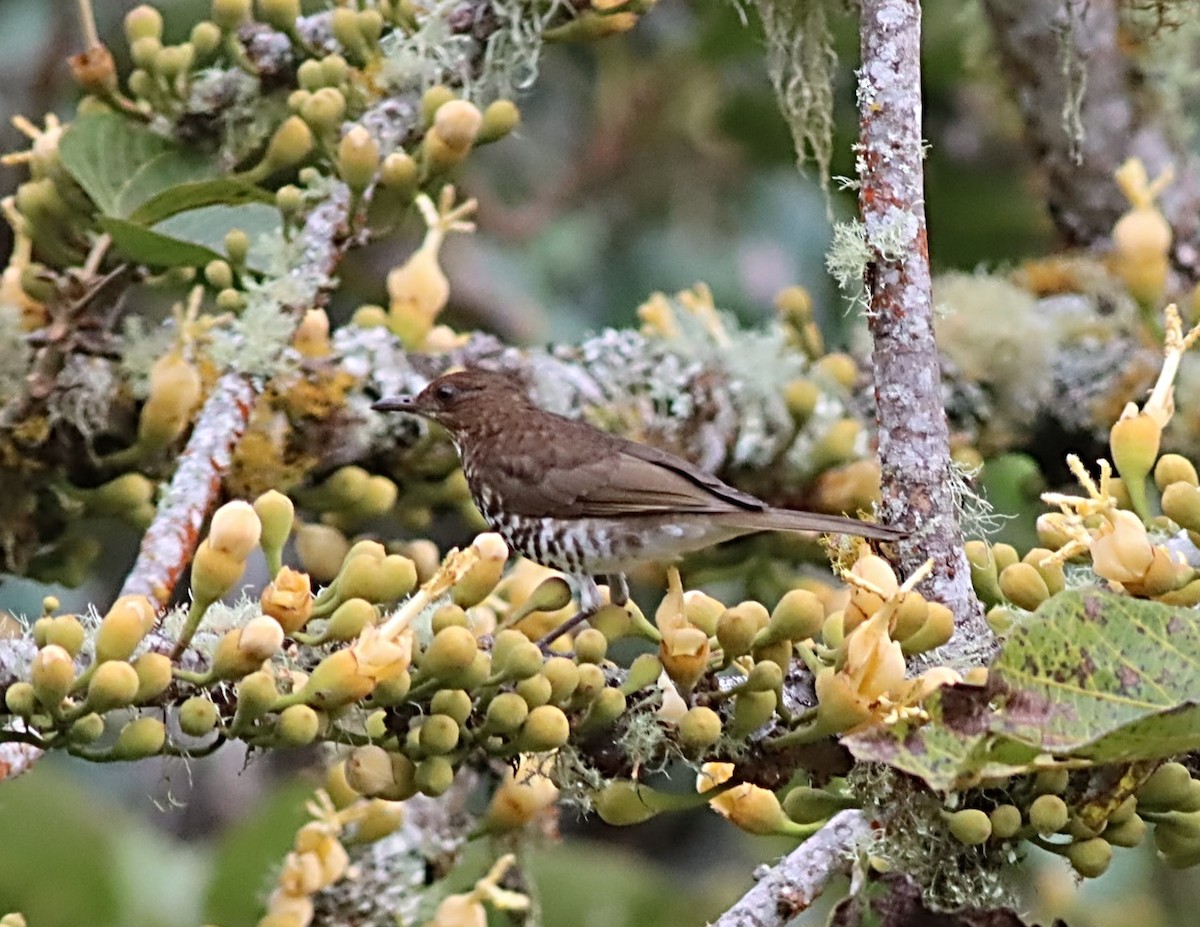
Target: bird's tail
789	520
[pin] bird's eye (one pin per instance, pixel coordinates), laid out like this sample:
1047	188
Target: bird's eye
444	393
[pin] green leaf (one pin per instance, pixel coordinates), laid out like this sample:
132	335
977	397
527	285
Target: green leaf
1091	677
169	170
208	226
953	751
103	151
131	173
185	196
1104	676
147	246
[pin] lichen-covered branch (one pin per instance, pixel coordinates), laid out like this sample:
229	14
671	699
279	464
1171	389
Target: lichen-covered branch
918	477
169	542
796	881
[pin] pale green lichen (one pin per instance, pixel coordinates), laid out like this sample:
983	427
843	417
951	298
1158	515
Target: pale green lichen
848	256
431	54
14	353
915	840
141	347
802	62
254	342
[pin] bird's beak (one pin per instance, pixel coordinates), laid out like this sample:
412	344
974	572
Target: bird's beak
395	404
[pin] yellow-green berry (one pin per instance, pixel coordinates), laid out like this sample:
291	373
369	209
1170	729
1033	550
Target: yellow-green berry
1048	814
970	826
197	716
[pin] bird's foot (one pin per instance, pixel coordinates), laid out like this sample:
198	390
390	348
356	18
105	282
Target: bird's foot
566	627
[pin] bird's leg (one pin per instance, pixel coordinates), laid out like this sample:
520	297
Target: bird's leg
590	602
618	589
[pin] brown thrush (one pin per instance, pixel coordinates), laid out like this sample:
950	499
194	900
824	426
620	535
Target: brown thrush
579	500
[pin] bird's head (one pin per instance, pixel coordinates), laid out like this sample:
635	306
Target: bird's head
457	400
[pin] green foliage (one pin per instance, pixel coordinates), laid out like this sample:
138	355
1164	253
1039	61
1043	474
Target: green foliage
1091	677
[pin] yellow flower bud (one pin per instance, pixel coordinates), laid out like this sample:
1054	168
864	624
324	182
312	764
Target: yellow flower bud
801	397
751	710
457	123
1181	503
1005	820
1090	858
154	676
450	653
499	119
643	671
63	630
197	716
229	14
738	626
260	639
798	616
142	21
256	693
841	368
324	108
910	616
235	529
438	734
140	738
1134	441
546	728
622	803
399	171
434	775
1023	586
970	826
298	726
175	390
290	144
321	550
52	673
1174	468
205	38
806	805
214	572
86	730
563	676
124	625
936	631
357	158
349	619
21	699
699	728
1048	814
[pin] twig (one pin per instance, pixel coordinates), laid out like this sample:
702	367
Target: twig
798	879
16	758
914	445
170	541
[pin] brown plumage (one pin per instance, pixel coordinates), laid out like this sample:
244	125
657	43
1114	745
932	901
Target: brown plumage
583	501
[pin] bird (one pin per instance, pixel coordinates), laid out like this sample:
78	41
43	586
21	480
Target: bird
587	503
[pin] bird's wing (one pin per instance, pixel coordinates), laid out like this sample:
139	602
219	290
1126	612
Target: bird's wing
609	476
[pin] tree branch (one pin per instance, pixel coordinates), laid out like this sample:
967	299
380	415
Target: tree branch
914	448
798	879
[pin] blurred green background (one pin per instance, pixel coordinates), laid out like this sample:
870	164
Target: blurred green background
650	161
